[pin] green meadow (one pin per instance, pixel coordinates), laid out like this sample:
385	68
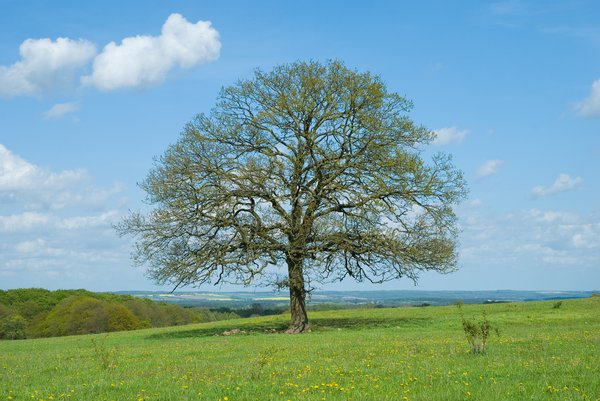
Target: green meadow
544	351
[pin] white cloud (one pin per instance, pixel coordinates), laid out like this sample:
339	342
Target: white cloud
77	222
588	237
590	106
22	181
23	222
445	136
56	227
45	65
563	182
475	202
33	188
488	168
61	109
531	238
30	246
51	65
143	60
553	217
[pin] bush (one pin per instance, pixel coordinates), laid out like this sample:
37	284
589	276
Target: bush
4	311
86	315
12	327
477	333
120	318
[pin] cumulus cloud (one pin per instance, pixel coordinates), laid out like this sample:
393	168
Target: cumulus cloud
590	106
45	65
61	109
445	136
143	60
138	61
488	168
563	182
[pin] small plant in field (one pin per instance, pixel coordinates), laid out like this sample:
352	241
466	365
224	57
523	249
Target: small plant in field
265	359
557	305
104	356
477	333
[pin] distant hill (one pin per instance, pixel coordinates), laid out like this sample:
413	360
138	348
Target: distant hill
320	299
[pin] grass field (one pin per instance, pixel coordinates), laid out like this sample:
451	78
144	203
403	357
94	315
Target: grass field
542	353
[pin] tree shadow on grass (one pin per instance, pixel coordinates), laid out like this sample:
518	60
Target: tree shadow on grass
278	326
323	324
263	327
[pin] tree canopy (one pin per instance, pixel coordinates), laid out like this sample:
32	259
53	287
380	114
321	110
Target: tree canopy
36	312
314	168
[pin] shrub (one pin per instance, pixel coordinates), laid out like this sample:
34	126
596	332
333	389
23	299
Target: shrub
12	327
4	310
477	333
120	318
86	315
105	356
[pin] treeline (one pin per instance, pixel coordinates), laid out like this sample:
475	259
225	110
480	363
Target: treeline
254	310
34	313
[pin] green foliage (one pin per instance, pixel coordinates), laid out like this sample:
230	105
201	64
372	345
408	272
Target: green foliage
36	298
86	315
265	360
313	167
208	315
477	333
12	327
32	313
557	305
4	311
105	356
120	318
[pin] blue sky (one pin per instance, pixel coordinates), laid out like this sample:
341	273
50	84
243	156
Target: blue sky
91	92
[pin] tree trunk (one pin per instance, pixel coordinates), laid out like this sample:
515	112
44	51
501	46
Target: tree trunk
299	323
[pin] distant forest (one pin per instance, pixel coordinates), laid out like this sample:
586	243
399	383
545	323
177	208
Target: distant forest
35	313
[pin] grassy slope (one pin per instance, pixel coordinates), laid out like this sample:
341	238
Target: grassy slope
379	354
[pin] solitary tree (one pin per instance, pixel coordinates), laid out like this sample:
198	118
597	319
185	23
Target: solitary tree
311	166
